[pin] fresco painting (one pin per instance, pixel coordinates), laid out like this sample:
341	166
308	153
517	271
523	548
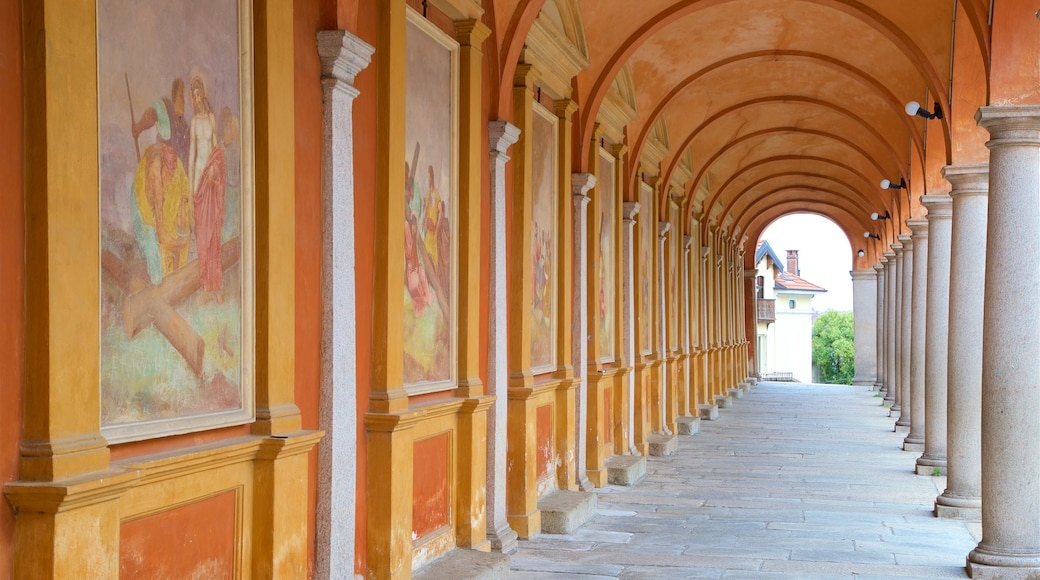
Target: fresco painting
645	219
430	206
175	202
605	261
543	240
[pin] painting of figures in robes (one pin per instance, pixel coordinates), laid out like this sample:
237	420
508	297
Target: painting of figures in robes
175	198
646	257
605	263
430	207
543	240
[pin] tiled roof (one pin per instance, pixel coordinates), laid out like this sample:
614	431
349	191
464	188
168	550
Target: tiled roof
789	281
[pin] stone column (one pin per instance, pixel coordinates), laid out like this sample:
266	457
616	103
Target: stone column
918	291
662	337
581	183
892	327
879	383
342	56
937	327
1010	546
628	313
501	135
864	309
962	498
904	316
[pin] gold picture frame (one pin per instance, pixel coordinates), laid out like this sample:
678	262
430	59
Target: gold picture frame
430	333
176	195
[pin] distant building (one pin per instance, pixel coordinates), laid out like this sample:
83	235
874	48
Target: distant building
785	316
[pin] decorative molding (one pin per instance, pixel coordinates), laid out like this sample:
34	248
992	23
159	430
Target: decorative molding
343	55
556	54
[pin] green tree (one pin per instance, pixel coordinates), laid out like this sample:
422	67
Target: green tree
832	347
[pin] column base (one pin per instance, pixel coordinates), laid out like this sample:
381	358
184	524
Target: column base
895	411
863	383
625	470
879	387
504	540
987	562
662	445
913	444
564	511
956	507
724	401
688	425
890	398
927	465
737	393
708	412
900	428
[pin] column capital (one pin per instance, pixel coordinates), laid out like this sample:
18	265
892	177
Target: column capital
919	227
1010	125
565	108
870	275
750	273
342	55
687	242
526	76
967	179
581	183
879	268
663	228
618	150
501	136
629	210
471	32
939	206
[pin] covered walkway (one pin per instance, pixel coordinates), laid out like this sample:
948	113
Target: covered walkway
795	480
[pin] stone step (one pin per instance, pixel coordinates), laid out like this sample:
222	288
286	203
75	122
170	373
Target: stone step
663	445
688	425
626	469
564	511
460	563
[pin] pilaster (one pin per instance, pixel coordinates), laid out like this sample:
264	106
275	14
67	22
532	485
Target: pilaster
581	183
628	350
937	328
343	56
1011	349
658	399
501	136
962	497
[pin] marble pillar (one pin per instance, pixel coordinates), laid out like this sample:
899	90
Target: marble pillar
628	313
1010	546
662	336
962	498
864	310
937	328
904	286
918	291
501	135
879	383
343	56
581	183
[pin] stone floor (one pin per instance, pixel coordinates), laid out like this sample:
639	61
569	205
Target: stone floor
794	481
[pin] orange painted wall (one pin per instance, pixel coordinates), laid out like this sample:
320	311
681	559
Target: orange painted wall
192	541
1015	76
12	268
545	440
366	249
430	486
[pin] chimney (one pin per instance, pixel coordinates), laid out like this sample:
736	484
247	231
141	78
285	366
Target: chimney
792	262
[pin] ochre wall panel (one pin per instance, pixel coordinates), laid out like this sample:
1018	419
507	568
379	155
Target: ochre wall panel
430	510
545	440
196	540
12	269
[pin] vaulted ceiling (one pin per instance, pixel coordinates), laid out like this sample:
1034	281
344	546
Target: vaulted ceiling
789	105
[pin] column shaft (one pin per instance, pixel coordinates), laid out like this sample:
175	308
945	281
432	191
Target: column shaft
918	292
905	315
864	309
879	384
581	183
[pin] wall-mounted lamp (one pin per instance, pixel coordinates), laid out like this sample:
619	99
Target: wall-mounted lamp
876	216
861	253
869	235
886	184
914	108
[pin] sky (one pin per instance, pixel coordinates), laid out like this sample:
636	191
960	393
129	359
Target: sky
824	256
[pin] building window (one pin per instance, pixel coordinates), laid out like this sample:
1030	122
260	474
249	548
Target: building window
791	304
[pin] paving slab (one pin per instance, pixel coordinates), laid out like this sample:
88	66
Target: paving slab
798	481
